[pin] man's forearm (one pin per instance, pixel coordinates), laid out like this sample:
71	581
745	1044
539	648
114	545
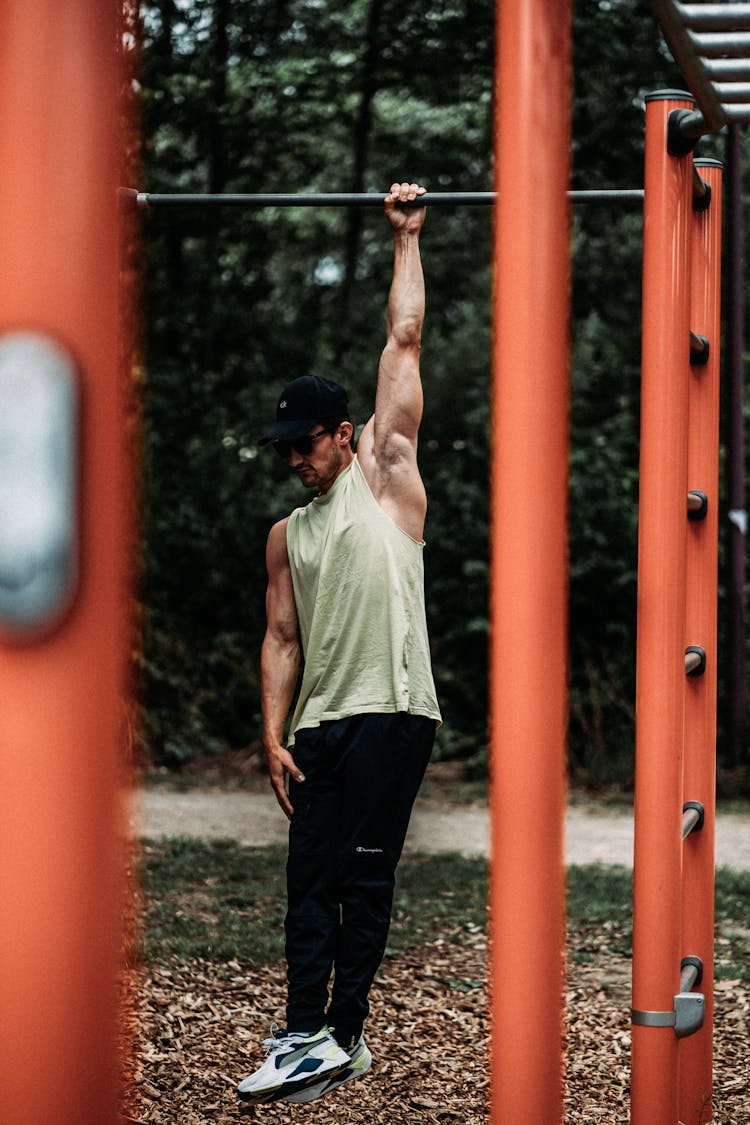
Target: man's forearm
406	300
279	672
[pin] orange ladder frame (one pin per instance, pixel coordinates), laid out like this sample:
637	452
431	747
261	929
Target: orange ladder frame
673	889
528	596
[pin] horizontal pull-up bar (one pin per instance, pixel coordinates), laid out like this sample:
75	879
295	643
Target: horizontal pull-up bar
143	199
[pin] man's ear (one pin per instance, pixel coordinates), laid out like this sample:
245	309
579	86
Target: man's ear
345	432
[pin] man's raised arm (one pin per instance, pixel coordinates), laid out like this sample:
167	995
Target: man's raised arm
388	445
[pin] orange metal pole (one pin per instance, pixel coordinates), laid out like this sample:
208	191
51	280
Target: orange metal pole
528	647
61	720
660	675
701	628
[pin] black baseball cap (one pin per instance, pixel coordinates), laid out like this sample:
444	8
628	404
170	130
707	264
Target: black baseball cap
302	403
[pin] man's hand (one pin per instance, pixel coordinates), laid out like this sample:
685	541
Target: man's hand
407	219
281	763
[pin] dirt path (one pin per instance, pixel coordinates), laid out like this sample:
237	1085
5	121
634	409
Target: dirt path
598	836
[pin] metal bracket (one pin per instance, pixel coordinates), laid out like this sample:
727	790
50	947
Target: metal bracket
686	1019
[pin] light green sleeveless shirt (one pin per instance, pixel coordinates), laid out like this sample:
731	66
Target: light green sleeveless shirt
359	588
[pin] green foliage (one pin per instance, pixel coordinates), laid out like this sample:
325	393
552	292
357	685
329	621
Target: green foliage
241	302
319	95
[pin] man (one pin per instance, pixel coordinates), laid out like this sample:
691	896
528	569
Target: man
346	595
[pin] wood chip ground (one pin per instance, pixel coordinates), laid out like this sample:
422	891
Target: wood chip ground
195	1030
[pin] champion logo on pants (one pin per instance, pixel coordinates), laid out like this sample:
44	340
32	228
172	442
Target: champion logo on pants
372	851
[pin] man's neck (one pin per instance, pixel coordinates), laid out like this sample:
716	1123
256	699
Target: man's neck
328	485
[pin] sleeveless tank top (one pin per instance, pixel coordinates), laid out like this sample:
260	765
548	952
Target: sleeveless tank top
359	589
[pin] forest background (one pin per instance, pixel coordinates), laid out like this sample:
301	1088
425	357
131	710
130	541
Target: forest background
346	95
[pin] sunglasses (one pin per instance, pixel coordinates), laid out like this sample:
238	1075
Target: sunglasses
302	445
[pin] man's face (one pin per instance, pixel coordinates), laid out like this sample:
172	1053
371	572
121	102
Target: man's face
319	467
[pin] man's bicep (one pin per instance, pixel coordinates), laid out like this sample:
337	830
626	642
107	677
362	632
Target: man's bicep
399	400
281	610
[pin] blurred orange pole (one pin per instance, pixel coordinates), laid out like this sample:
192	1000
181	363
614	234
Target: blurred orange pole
528	600
701	628
62	718
660	665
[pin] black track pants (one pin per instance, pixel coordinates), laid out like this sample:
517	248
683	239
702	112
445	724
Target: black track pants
350	819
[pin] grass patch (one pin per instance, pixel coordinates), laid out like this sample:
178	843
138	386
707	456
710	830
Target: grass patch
732	952
217	900
212	899
600	917
437	895
600	905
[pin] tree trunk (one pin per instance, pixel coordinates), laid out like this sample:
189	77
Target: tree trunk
361	144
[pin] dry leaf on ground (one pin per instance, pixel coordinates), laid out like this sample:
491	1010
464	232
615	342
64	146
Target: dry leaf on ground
197	1029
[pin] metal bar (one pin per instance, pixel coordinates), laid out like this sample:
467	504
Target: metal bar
689	975
715	17
737	70
690	819
689	62
700	187
697	504
528	598
700	349
314	199
737	114
733	91
695	660
150	200
660	681
717	46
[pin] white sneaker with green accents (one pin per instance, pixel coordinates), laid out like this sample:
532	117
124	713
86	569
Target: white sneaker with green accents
359	1062
295	1061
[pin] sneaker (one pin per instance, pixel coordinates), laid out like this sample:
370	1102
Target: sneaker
294	1061
359	1062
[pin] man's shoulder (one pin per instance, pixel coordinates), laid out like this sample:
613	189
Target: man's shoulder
277	534
279	528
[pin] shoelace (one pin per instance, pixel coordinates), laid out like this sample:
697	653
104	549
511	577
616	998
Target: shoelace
280	1038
